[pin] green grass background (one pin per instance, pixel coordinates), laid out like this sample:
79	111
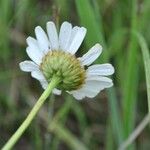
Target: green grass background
122	27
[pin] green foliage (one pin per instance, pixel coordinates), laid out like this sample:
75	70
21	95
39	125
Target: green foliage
146	59
122	27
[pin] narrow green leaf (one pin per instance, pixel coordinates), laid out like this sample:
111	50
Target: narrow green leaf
115	116
130	84
88	19
80	114
146	59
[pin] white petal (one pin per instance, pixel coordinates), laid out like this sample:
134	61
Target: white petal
33	44
28	66
102	70
56	91
92	87
42	39
79	95
91	55
89	93
65	34
38	75
85	91
53	36
44	84
102	82
82	93
73	34
77	38
35	55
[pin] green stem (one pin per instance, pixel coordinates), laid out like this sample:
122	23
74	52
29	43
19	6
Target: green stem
54	82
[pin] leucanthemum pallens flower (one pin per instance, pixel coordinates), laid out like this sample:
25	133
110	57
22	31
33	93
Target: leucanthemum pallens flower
54	54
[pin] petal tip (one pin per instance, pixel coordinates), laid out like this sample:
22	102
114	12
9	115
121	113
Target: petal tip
49	23
98	47
38	29
111	67
20	66
84	29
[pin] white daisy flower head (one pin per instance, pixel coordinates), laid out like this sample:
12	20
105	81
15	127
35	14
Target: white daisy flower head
52	54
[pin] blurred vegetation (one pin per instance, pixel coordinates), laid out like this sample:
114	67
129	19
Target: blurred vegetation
122	27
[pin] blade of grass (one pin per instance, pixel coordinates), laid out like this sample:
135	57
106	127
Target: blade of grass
109	143
21	8
88	19
94	27
131	77
37	142
5	13
81	116
64	8
146	59
135	133
116	120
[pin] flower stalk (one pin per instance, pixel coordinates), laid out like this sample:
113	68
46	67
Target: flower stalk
15	137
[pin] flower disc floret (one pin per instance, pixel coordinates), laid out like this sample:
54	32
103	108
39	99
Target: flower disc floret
66	66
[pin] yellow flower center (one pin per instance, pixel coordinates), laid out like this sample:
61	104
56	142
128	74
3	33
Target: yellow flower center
66	66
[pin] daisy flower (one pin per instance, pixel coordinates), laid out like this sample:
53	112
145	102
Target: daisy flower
52	54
